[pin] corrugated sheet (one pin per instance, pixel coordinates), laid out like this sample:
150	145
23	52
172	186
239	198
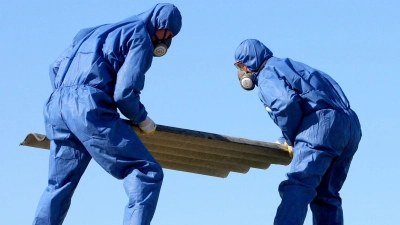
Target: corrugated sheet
200	152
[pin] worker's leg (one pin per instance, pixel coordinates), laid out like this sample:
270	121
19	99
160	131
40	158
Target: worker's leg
316	147
67	162
327	206
116	148
308	167
142	175
125	157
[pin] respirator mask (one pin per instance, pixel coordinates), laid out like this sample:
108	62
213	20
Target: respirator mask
246	79
161	45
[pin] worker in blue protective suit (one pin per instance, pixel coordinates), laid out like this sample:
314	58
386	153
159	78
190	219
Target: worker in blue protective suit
316	120
102	71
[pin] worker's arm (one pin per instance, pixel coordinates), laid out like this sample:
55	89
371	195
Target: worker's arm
282	104
131	78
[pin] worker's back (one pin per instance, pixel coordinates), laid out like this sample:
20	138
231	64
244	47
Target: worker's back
316	89
97	54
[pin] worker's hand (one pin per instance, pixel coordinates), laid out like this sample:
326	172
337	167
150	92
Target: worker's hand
290	150
283	142
147	126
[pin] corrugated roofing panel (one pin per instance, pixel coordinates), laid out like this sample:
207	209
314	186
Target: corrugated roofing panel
200	152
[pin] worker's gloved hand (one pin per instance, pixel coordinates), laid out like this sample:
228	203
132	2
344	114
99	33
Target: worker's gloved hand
147	126
282	141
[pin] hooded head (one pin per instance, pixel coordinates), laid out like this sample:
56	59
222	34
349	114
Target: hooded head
252	53
162	16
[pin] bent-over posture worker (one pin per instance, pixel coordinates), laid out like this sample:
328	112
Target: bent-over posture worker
315	118
102	71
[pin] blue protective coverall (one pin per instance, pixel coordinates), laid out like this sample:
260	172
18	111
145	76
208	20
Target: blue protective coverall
103	70
315	118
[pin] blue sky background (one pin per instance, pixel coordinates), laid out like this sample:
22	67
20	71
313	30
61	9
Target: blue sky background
195	87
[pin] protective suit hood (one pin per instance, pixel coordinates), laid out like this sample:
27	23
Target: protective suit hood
252	53
162	16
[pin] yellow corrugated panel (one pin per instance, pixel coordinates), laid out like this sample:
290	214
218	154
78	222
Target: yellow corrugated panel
199	152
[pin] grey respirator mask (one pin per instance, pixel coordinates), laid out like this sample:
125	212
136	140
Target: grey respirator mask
246	79
161	45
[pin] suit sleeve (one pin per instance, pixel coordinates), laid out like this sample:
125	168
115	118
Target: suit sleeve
282	104
131	78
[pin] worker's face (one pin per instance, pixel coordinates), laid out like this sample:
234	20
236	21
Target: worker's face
162	34
245	76
161	41
241	66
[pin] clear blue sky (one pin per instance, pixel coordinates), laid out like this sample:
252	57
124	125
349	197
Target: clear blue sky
195	87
